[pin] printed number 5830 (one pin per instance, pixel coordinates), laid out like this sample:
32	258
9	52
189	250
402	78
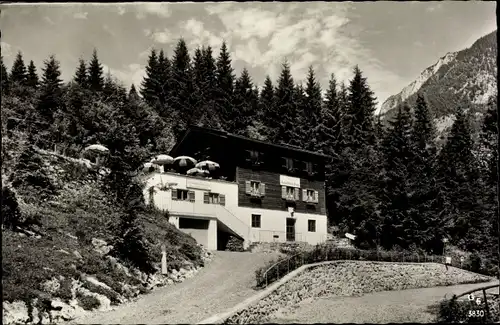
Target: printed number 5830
476	313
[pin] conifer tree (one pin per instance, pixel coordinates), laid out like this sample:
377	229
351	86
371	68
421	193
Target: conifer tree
18	73
302	129
163	82
361	111
32	79
330	122
181	89
459	182
245	105
49	103
225	85
399	226
4	77
132	94
149	89
286	114
81	75
312	111
96	77
267	108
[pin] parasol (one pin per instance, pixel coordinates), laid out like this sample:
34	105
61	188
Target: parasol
96	148
197	172
184	162
207	165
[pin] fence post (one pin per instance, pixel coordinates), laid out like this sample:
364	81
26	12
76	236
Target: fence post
486	304
288	262
266	279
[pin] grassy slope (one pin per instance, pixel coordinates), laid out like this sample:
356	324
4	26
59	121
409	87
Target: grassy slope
68	222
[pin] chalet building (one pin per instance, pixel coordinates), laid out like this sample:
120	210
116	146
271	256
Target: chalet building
263	192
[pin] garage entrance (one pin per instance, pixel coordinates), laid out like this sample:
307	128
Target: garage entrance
196	228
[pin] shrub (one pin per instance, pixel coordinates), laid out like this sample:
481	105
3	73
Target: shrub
234	244
87	302
130	244
11	215
112	295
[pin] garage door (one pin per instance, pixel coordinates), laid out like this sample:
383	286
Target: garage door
197	228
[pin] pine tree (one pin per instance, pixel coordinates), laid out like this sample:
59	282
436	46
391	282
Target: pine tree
132	94
18	73
399	225
285	108
81	75
459	182
426	198
330	122
32	79
4	77
245	105
49	103
225	85
182	89
313	111
163	82
267	104
96	78
149	89
303	129
361	111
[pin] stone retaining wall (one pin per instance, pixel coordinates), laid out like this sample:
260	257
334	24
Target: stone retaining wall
342	278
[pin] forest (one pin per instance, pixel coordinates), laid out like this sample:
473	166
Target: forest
387	182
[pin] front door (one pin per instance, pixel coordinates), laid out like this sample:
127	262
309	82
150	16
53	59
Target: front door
290	229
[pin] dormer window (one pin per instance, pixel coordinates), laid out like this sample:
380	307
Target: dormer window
288	164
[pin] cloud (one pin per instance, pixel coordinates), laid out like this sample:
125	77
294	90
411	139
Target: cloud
434	7
121	10
151	9
162	37
130	74
6	49
80	15
48	20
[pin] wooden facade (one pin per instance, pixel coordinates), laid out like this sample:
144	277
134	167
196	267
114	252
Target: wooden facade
247	161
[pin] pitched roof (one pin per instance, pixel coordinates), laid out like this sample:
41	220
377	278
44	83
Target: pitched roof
224	134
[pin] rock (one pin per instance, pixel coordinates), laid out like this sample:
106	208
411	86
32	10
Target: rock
51	286
97	282
15	312
78	255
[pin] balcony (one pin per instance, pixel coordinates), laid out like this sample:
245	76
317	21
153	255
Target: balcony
289	198
193	208
255	193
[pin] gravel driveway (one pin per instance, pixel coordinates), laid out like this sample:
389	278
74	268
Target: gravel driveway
380	307
223	283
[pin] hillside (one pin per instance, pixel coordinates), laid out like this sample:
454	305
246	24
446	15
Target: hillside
60	230
466	78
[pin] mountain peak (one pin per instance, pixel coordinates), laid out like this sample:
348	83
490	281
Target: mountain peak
466	77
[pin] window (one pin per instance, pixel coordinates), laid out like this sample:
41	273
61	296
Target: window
309	167
255	220
288	163
311	225
182	195
289	193
214	198
254	157
310	196
255	188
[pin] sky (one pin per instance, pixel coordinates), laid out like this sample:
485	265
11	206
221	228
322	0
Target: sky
392	42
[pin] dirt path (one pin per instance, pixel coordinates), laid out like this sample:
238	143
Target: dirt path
223	283
380	307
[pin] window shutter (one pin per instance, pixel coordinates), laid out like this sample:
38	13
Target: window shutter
190	196
248	187
304	195
206	198
316	196
283	192
262	188
222	199
174	194
296	194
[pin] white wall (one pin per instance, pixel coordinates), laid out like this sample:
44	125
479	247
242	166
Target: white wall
272	222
